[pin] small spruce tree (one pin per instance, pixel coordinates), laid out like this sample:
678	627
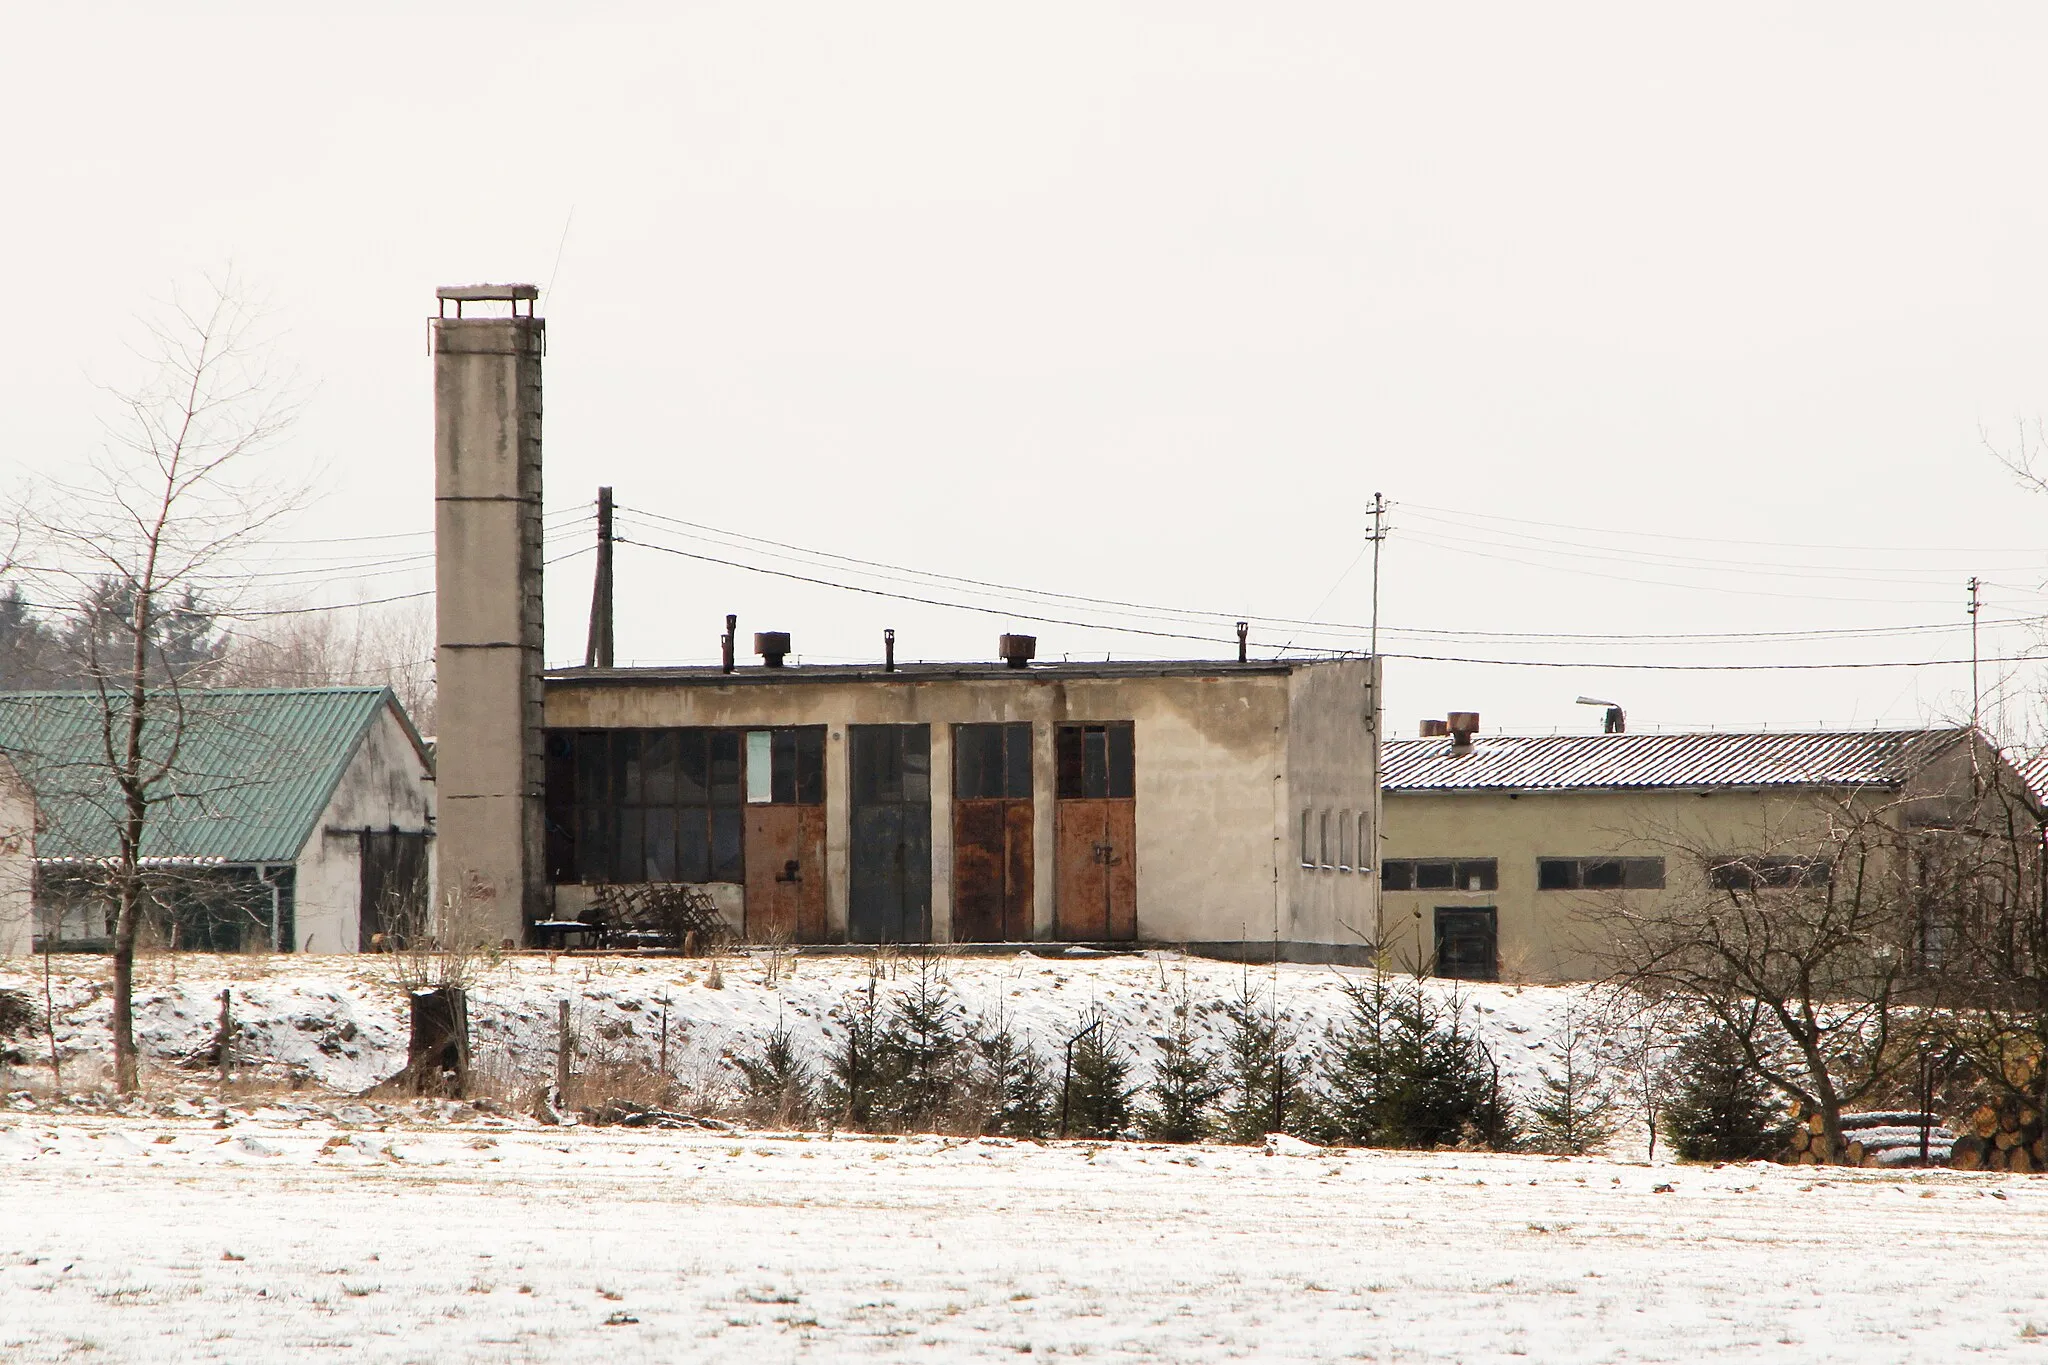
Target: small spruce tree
1358	1072
919	1050
1265	1076
854	1079
1720	1109
1574	1111
776	1083
1185	1086
1012	1093
1096	1099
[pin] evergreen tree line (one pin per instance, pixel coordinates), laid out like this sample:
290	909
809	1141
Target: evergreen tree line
42	650
1402	1067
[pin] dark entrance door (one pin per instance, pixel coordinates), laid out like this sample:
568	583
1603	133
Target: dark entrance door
394	886
889	896
992	814
1096	825
1467	943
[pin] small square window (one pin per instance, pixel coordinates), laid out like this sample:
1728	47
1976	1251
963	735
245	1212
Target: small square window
1435	875
1557	874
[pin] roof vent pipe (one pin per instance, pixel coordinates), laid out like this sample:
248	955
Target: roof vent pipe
1018	650
1434	729
1462	725
1244	628
771	645
888	651
725	643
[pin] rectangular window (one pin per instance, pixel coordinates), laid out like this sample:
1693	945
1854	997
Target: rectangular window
1600	874
1366	852
992	761
666	805
1343	841
1758	872
1436	874
1308	857
1096	761
760	767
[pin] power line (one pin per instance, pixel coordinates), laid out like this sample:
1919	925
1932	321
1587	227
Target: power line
742	541
1415	658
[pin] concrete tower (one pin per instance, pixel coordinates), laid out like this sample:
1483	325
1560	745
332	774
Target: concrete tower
489	765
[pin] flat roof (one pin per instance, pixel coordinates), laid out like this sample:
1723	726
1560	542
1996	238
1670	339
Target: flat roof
711	675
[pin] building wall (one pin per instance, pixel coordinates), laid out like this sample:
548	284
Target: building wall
386	784
1554	935
17	863
1210	772
1332	776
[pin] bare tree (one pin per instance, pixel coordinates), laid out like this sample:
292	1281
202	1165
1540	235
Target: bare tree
143	537
391	646
1799	953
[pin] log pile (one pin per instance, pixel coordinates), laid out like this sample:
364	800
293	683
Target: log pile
2002	1137
1875	1140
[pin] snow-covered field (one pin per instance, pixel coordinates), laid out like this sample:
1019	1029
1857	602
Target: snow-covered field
284	1236
339	1023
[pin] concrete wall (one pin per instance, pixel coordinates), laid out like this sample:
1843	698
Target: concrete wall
1211	773
1332	776
386	784
1554	935
17	862
487	539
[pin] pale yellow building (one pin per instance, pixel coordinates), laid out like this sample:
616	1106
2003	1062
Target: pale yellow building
1499	848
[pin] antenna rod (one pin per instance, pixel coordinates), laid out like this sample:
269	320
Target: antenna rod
597	653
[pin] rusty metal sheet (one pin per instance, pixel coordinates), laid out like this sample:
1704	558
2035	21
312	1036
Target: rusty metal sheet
1096	871
991	871
785	858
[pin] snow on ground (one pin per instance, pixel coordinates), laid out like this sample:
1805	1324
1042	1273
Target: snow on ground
283	1237
340	1022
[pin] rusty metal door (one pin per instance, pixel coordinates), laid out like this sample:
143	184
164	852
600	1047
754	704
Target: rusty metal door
889	891
785	858
992	840
991	871
1097	866
1096	822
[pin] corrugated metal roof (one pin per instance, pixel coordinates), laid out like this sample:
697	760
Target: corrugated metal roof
1717	759
255	768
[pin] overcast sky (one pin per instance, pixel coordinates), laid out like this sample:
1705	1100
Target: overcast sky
1650	319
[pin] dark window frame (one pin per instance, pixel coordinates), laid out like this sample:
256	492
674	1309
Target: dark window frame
1600	872
1095	760
1442	874
666	804
992	760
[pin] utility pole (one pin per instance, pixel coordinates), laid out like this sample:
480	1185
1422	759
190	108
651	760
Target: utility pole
598	652
1378	536
1374	714
1976	695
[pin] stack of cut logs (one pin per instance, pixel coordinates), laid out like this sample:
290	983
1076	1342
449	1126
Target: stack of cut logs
2002	1137
1889	1138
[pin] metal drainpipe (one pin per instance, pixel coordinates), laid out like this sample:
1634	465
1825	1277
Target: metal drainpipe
276	914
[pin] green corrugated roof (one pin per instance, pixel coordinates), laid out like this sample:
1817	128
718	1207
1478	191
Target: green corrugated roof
255	768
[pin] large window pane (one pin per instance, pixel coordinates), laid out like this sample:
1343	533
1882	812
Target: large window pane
727	862
1017	760
1123	780
810	765
659	844
658	767
693	767
725	768
693	846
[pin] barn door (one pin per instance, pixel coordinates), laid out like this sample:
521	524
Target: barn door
1095	819
889	896
393	887
992	845
785	835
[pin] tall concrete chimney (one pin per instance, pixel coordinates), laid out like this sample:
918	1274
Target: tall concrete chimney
487	542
